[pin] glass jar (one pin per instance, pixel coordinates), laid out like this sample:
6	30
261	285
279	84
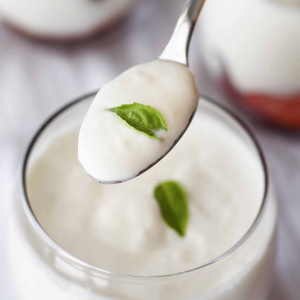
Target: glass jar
63	20
41	269
253	48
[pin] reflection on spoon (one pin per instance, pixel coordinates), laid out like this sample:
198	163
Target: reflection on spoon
115	141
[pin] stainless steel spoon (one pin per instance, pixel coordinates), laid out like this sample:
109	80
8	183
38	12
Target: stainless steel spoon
178	47
176	50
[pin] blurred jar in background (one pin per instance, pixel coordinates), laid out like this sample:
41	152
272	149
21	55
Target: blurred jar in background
253	48
63	19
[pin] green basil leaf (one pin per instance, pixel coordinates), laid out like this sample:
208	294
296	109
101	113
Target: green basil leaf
142	118
172	200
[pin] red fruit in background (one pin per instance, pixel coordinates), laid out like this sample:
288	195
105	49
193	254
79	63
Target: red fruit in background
281	110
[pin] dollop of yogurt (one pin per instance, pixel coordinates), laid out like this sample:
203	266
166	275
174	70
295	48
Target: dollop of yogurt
111	151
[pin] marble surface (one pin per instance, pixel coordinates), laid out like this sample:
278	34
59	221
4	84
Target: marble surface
36	78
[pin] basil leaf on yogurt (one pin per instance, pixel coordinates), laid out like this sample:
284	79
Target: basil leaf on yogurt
172	200
143	118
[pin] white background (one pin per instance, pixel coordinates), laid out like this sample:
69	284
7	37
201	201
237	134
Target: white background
37	78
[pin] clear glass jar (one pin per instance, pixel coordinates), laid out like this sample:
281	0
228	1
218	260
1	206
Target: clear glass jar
253	48
41	269
63	20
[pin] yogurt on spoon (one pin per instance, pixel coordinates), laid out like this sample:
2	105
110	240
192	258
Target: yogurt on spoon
136	119
112	150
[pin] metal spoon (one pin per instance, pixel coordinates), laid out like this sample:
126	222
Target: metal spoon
176	50
178	47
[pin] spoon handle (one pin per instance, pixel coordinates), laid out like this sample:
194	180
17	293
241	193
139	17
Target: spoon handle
178	46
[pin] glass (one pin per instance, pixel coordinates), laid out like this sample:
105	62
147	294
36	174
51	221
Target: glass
252	48
41	269
66	20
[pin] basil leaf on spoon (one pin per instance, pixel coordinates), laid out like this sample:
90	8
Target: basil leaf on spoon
172	200
143	118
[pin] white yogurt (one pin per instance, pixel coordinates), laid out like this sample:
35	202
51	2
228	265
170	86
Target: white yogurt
62	19
254	42
119	227
108	149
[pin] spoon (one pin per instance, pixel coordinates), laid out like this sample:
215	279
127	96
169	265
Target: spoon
178	47
176	51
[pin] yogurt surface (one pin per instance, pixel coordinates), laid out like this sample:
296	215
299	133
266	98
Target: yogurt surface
119	227
62	19
253	42
108	149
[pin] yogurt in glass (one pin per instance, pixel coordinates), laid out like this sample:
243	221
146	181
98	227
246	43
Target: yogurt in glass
62	20
253	47
75	239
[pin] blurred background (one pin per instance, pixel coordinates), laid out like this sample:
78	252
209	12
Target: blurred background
244	54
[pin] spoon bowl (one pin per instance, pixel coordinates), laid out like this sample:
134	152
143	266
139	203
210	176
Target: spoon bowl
129	156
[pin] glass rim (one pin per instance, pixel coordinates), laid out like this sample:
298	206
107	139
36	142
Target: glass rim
82	264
